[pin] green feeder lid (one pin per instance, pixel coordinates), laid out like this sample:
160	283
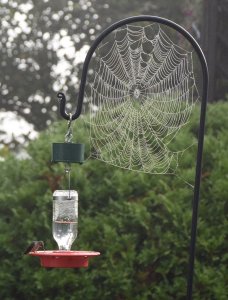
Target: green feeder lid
68	152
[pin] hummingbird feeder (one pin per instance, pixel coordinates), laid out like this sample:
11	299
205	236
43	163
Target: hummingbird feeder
65	214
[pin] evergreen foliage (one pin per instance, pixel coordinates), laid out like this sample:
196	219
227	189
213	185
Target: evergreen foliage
140	223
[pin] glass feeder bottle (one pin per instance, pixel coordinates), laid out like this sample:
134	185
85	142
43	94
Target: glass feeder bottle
65	218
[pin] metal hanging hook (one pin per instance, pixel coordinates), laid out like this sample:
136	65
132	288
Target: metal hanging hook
205	79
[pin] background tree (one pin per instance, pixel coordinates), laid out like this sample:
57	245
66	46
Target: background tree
43	44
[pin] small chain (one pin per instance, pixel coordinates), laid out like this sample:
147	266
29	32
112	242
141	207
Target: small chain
69	134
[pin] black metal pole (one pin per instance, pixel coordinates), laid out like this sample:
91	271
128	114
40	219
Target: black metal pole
203	62
196	196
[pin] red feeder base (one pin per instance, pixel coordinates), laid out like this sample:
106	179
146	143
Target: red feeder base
64	259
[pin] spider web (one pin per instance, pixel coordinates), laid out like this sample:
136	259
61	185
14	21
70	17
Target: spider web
144	91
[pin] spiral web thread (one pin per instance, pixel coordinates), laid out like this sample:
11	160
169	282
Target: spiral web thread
144	91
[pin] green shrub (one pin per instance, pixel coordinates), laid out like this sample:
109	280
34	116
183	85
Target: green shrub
140	223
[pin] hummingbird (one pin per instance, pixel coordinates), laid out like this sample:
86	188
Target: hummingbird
34	246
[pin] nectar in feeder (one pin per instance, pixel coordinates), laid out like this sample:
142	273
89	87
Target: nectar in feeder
65	218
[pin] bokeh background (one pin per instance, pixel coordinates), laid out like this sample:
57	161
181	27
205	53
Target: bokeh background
141	224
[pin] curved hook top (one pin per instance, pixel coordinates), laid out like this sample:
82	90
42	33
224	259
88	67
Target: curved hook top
111	28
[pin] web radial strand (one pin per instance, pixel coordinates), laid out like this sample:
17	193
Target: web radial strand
144	91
